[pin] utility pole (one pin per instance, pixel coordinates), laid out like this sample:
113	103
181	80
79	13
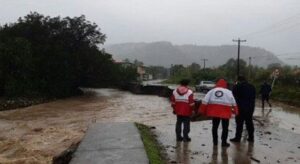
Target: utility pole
238	58
249	74
204	63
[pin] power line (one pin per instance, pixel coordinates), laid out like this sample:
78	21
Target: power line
283	24
275	25
276	31
292	58
289	54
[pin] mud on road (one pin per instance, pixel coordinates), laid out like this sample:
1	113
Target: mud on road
38	133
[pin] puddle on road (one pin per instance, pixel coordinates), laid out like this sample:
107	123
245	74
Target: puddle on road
37	133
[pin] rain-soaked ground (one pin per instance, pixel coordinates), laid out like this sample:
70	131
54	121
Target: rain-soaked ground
38	133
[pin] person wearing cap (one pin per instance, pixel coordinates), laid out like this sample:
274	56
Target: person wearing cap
182	101
244	94
219	104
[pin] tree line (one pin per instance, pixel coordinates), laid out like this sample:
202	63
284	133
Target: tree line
53	56
286	85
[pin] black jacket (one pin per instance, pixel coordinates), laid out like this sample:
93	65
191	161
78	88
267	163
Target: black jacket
265	89
244	94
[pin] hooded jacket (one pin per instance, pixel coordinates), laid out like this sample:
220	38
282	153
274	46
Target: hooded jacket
219	102
182	101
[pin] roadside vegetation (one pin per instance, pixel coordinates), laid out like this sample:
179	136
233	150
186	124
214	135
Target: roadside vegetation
286	85
51	57
153	149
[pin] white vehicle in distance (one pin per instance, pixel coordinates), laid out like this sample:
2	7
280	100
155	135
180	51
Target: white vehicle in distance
205	86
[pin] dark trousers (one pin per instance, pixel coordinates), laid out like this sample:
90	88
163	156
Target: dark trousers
225	124
240	120
185	120
263	99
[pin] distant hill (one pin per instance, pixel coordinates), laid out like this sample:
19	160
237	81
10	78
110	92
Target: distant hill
165	54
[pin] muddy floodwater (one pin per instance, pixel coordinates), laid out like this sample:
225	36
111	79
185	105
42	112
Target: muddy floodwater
38	133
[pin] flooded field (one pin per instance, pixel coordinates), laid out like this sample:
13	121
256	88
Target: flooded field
38	133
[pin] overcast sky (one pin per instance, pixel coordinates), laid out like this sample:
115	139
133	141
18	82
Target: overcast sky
270	24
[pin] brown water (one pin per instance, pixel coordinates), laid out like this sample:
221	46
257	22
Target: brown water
36	134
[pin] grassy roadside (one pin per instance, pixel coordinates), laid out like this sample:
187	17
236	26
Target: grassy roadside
290	96
153	149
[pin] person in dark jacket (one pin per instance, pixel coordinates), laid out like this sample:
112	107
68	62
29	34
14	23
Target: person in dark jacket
182	101
244	94
265	91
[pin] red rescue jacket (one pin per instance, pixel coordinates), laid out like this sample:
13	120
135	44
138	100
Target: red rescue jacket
219	102
182	101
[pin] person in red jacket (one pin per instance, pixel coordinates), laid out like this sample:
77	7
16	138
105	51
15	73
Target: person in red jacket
219	104
182	101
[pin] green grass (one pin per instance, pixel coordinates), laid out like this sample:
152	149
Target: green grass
153	149
289	95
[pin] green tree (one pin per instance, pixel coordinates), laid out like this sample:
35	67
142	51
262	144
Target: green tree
230	68
193	68
44	56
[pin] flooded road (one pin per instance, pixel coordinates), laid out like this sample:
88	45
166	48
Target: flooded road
276	141
38	133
